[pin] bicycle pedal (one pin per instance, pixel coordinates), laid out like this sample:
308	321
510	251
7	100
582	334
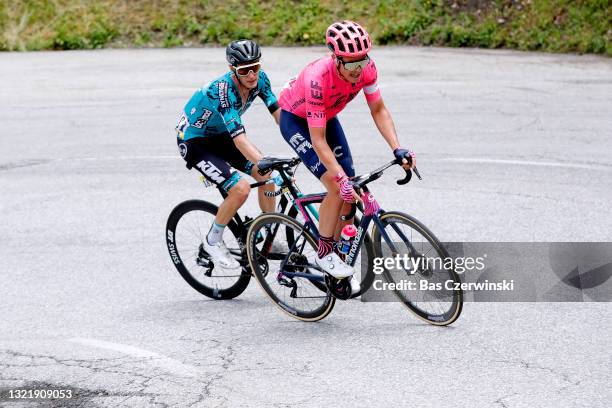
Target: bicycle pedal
339	288
206	263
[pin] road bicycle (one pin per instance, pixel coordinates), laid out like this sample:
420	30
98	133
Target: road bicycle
189	222
302	290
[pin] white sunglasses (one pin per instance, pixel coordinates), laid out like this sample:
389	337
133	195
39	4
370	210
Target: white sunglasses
245	70
353	65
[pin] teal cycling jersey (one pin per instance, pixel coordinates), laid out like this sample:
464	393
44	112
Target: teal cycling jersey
216	108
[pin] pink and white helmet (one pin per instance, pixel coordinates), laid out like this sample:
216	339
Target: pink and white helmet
347	39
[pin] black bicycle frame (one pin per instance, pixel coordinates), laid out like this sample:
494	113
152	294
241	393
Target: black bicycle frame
357	243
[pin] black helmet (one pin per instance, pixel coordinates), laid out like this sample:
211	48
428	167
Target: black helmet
242	52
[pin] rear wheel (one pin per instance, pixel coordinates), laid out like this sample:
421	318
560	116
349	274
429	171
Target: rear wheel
186	229
436	305
364	262
281	254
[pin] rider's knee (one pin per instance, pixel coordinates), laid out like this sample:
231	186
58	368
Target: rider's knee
240	190
330	184
333	191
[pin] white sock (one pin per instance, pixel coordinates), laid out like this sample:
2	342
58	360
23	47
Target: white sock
215	234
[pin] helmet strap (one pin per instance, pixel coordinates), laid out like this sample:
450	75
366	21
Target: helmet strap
337	63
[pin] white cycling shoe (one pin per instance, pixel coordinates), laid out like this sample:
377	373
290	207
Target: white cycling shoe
220	255
333	265
355	286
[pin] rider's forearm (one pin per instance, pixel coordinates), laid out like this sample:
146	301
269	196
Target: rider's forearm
385	125
247	148
325	154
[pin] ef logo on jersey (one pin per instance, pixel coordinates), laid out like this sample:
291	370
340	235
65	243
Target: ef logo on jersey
316	91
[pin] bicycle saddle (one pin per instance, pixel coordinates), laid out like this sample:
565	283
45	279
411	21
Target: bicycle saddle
267	164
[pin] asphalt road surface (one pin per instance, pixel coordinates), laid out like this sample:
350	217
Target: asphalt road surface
512	147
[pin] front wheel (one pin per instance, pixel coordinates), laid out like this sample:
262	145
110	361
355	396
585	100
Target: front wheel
186	230
435	303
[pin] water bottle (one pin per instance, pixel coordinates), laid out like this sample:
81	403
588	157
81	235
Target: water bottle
346	239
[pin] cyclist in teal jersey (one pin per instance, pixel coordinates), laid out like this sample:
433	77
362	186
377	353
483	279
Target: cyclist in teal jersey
212	138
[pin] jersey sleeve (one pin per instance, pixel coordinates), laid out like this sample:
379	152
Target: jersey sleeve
194	118
233	123
265	92
370	89
314	88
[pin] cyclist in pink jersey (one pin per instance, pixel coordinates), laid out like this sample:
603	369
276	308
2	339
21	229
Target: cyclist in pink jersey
319	93
309	105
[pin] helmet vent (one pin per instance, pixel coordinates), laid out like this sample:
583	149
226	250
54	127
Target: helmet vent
347	39
242	52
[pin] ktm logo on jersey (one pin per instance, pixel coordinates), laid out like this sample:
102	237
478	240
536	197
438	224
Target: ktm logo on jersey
211	171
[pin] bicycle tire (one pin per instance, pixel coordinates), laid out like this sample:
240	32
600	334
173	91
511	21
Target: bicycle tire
241	280
255	259
454	311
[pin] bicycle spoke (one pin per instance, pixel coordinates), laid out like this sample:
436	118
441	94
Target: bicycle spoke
189	238
436	303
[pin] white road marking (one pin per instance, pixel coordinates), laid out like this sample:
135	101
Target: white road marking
601	167
156	359
528	163
174	157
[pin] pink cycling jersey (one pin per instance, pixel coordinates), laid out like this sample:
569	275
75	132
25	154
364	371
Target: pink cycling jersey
319	93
